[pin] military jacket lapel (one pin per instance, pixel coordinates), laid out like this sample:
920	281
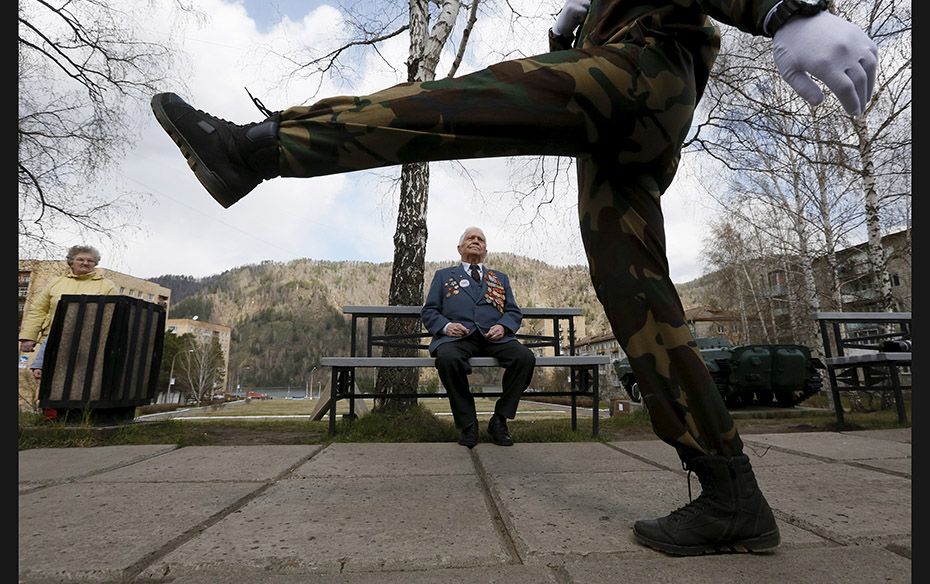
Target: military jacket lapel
473	289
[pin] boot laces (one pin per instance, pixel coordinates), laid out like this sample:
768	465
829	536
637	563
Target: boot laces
261	107
694	506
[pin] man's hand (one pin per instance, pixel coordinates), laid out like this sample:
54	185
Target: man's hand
495	332
831	49
456	329
26	346
570	17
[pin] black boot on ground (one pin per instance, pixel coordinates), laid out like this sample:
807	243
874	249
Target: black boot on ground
229	160
730	515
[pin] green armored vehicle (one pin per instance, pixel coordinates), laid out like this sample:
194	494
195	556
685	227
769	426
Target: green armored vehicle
749	374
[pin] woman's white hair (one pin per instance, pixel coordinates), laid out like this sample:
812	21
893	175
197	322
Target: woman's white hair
76	249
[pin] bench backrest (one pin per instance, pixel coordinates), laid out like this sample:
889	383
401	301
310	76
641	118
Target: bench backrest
840	331
560	319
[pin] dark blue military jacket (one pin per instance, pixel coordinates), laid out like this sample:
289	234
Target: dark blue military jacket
455	297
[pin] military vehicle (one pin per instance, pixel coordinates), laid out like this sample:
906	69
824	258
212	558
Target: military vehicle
761	375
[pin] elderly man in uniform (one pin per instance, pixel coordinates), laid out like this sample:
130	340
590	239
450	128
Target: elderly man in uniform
471	312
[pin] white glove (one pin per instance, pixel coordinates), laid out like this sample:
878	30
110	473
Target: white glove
831	49
570	17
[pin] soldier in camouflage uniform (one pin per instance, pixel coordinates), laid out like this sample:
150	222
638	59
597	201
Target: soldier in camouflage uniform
620	97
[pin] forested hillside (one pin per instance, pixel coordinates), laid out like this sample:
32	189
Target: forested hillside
286	316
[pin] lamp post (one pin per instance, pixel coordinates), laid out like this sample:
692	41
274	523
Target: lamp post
171	373
310	387
238	373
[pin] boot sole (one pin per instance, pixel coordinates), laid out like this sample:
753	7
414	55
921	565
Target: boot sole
210	181
761	544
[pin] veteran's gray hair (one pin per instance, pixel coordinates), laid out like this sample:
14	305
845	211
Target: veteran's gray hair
472	228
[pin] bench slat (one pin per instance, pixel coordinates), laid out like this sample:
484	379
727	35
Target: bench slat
560	361
863	316
870	358
415	311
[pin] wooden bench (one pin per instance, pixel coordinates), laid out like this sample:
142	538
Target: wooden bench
853	345
583	378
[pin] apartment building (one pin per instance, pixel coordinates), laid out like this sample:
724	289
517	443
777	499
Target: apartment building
204	332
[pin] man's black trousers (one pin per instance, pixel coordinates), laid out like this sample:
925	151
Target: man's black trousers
452	363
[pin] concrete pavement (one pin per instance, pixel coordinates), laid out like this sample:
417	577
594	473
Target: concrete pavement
558	513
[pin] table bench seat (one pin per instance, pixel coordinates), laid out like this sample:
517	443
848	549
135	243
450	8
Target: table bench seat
869	368
583	369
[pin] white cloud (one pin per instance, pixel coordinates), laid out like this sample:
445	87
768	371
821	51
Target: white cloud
337	217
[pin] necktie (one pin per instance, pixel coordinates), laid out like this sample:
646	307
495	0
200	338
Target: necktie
475	274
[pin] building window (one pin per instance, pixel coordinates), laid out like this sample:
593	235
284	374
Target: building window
895	280
777	278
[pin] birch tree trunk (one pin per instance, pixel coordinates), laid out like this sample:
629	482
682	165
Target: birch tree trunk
410	235
876	252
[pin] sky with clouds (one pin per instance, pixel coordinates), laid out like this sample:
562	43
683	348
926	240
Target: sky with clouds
351	216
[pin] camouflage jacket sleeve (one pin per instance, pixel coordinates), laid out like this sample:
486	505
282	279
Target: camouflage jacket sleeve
557	43
746	15
617	20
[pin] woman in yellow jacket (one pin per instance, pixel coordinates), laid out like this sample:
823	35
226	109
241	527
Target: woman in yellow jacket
82	278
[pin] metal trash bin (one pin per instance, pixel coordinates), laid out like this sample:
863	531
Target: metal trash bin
102	357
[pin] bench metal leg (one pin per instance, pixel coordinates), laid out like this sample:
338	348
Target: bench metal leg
595	424
837	403
574	408
333	384
343	380
898	394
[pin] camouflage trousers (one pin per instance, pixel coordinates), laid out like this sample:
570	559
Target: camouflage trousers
623	110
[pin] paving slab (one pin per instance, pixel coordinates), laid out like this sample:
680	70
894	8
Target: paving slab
823	565
844	503
556	457
665	456
894	434
556	516
900	466
423	513
44	465
344	524
213	463
95	531
495	575
834	445
375	459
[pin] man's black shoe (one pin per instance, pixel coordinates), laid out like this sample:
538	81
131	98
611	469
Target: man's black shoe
229	160
730	515
469	435
497	428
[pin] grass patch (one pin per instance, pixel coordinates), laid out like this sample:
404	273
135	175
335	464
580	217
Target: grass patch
418	424
60	435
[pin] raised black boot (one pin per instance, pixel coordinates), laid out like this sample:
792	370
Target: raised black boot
229	160
730	515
